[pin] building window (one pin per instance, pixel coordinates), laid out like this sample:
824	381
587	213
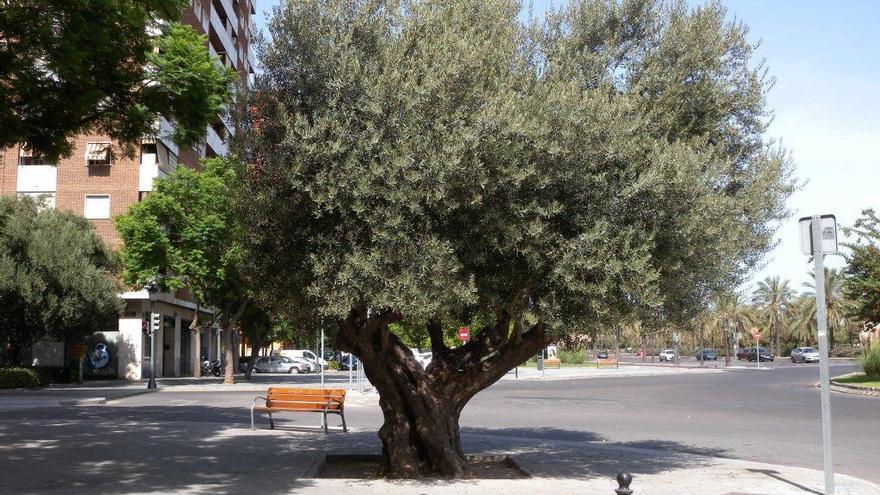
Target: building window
45	200
26	156
98	154
97	206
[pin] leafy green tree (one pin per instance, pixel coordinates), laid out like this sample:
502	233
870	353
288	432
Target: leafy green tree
109	66
56	278
773	297
862	273
440	161
185	235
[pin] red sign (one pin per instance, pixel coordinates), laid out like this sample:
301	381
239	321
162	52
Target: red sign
756	334
464	334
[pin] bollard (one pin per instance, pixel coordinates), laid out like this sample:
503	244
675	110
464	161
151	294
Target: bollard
623	481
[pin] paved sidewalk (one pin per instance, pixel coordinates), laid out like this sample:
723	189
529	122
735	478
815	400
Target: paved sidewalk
132	455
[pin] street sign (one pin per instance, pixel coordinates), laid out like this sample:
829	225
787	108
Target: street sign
828	235
464	334
756	334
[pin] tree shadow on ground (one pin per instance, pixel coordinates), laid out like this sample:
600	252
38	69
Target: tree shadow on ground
118	449
562	453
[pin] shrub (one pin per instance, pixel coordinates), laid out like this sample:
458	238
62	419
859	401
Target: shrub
18	378
845	351
333	365
786	351
871	361
575	356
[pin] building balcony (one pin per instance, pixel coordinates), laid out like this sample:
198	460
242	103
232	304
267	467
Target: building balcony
218	28
216	143
231	14
166	129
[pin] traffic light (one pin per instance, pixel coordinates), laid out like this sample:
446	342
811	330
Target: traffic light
156	320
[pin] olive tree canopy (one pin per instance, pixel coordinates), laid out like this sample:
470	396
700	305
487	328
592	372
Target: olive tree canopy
444	162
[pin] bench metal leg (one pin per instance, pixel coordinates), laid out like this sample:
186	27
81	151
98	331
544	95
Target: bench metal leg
271	423
324	415
344	428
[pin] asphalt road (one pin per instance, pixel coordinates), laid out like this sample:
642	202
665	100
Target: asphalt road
766	416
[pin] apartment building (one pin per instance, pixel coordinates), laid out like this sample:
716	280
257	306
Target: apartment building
100	183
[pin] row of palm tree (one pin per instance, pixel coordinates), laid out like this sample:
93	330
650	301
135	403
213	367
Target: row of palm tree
776	308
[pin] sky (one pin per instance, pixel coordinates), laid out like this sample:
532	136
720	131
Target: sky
825	57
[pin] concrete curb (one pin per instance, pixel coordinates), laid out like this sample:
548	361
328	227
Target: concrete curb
849	388
93	401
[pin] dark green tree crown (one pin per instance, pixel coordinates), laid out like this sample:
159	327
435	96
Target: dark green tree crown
430	158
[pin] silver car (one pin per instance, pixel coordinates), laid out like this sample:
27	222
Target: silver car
279	364
804	355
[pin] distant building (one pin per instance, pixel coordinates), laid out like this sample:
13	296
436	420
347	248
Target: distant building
99	183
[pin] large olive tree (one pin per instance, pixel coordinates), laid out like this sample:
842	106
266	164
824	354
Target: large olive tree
443	162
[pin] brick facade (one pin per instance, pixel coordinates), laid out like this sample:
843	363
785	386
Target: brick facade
74	179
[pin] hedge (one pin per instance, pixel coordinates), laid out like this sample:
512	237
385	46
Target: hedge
18	378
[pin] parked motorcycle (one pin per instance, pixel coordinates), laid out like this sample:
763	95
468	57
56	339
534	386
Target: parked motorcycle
211	367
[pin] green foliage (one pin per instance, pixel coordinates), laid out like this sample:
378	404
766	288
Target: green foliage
334	365
18	378
571	356
191	89
845	351
773	296
445	159
185	235
837	306
871	361
74	66
862	284
56	277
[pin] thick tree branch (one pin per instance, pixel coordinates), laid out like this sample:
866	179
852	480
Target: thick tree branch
435	332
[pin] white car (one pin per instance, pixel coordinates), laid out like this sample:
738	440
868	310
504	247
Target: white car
804	355
667	355
423	358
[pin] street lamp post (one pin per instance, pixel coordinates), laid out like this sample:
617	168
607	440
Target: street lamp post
153	291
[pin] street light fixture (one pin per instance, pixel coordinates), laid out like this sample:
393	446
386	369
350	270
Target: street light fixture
153	291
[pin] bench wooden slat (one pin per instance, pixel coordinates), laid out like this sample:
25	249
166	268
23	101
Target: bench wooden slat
294	399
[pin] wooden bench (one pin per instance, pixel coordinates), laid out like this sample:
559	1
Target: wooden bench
282	399
607	362
552	363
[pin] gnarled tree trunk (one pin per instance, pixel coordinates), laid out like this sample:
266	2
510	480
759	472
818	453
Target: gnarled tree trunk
421	407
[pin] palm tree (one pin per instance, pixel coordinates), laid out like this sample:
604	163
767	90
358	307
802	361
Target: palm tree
774	296
802	324
836	304
731	316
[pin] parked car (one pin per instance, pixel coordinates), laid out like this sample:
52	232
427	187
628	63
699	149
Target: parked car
761	354
424	358
280	364
804	355
742	353
602	355
306	354
348	363
243	363
667	355
708	355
